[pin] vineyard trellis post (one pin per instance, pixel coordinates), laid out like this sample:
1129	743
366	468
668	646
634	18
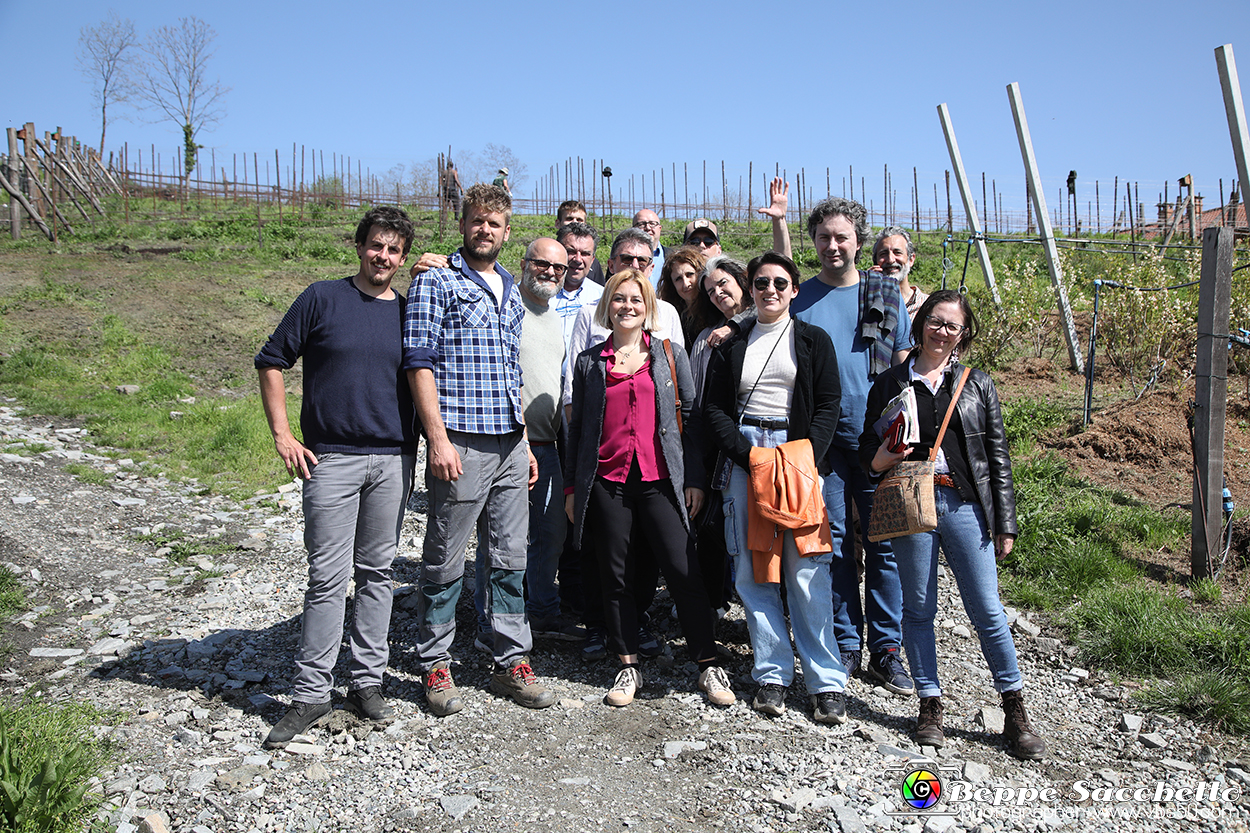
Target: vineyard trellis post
961	178
1210	397
1235	110
1043	223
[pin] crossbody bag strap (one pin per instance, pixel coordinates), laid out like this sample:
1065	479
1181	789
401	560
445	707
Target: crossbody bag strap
950	409
751	393
672	372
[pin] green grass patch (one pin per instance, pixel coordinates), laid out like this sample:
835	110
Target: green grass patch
12	597
224	442
1075	557
87	474
48	756
183	549
1025	419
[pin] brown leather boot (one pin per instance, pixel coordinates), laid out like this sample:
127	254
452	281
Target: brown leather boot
929	723
1021	739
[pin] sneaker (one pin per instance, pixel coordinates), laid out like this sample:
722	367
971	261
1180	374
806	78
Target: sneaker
649	645
441	692
829	707
929	723
299	718
770	699
851	661
886	668
628	682
485	642
367	702
558	627
596	645
1021	739
519	682
714	682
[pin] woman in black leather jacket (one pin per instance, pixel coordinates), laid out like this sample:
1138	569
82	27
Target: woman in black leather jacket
976	511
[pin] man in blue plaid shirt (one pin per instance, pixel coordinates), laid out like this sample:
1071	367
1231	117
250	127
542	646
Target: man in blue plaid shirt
462	335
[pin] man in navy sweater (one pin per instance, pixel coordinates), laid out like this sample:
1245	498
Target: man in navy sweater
356	460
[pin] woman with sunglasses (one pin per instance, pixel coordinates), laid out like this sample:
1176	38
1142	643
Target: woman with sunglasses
632	471
679	286
976	510
776	381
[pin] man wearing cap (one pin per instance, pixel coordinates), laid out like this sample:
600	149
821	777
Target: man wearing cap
701	232
501	181
648	221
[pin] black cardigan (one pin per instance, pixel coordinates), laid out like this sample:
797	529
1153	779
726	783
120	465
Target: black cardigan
817	399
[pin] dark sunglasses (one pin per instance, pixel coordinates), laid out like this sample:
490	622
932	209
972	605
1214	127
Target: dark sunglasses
761	284
544	265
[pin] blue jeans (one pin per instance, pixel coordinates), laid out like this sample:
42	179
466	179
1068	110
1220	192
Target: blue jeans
353	512
964	537
808	590
547	527
883	599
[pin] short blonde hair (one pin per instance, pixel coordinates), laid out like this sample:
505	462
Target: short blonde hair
651	322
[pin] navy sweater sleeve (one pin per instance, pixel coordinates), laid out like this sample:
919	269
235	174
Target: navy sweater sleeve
356	398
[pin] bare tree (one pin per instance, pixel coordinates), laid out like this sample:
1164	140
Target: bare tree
104	56
496	156
175	80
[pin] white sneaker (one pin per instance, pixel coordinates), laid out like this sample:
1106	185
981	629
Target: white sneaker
715	684
628	681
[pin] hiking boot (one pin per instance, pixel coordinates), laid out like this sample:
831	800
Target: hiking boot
596	645
929	723
299	718
714	683
367	702
518	682
440	691
887	669
1022	741
829	707
770	699
649	645
628	682
851	661
558	627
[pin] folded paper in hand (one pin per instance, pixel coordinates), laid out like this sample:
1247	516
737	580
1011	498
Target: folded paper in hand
899	424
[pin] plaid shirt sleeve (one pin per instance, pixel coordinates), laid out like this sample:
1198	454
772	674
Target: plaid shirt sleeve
454	328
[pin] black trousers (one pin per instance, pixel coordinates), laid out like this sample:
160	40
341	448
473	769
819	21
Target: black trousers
619	513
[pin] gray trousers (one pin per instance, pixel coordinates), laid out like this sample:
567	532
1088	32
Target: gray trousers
353	511
495	488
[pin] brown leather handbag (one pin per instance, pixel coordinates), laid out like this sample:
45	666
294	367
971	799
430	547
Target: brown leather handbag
903	502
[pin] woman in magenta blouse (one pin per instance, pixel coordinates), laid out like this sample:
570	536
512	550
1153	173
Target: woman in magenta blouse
631	470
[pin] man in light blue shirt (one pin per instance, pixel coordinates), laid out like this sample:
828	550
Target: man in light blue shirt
648	221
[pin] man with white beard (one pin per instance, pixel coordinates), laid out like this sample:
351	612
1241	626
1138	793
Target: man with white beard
894	255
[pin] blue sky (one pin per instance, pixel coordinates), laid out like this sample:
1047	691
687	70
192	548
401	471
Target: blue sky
1109	89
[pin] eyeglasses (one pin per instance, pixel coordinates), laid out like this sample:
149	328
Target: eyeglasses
762	284
647	224
939	326
641	261
544	265
702	241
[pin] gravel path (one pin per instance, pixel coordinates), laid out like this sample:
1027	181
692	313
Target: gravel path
192	656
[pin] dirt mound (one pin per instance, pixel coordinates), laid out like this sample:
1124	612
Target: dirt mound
1141	447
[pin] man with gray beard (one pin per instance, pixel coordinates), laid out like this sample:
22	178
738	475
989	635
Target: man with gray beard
541	358
894	255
